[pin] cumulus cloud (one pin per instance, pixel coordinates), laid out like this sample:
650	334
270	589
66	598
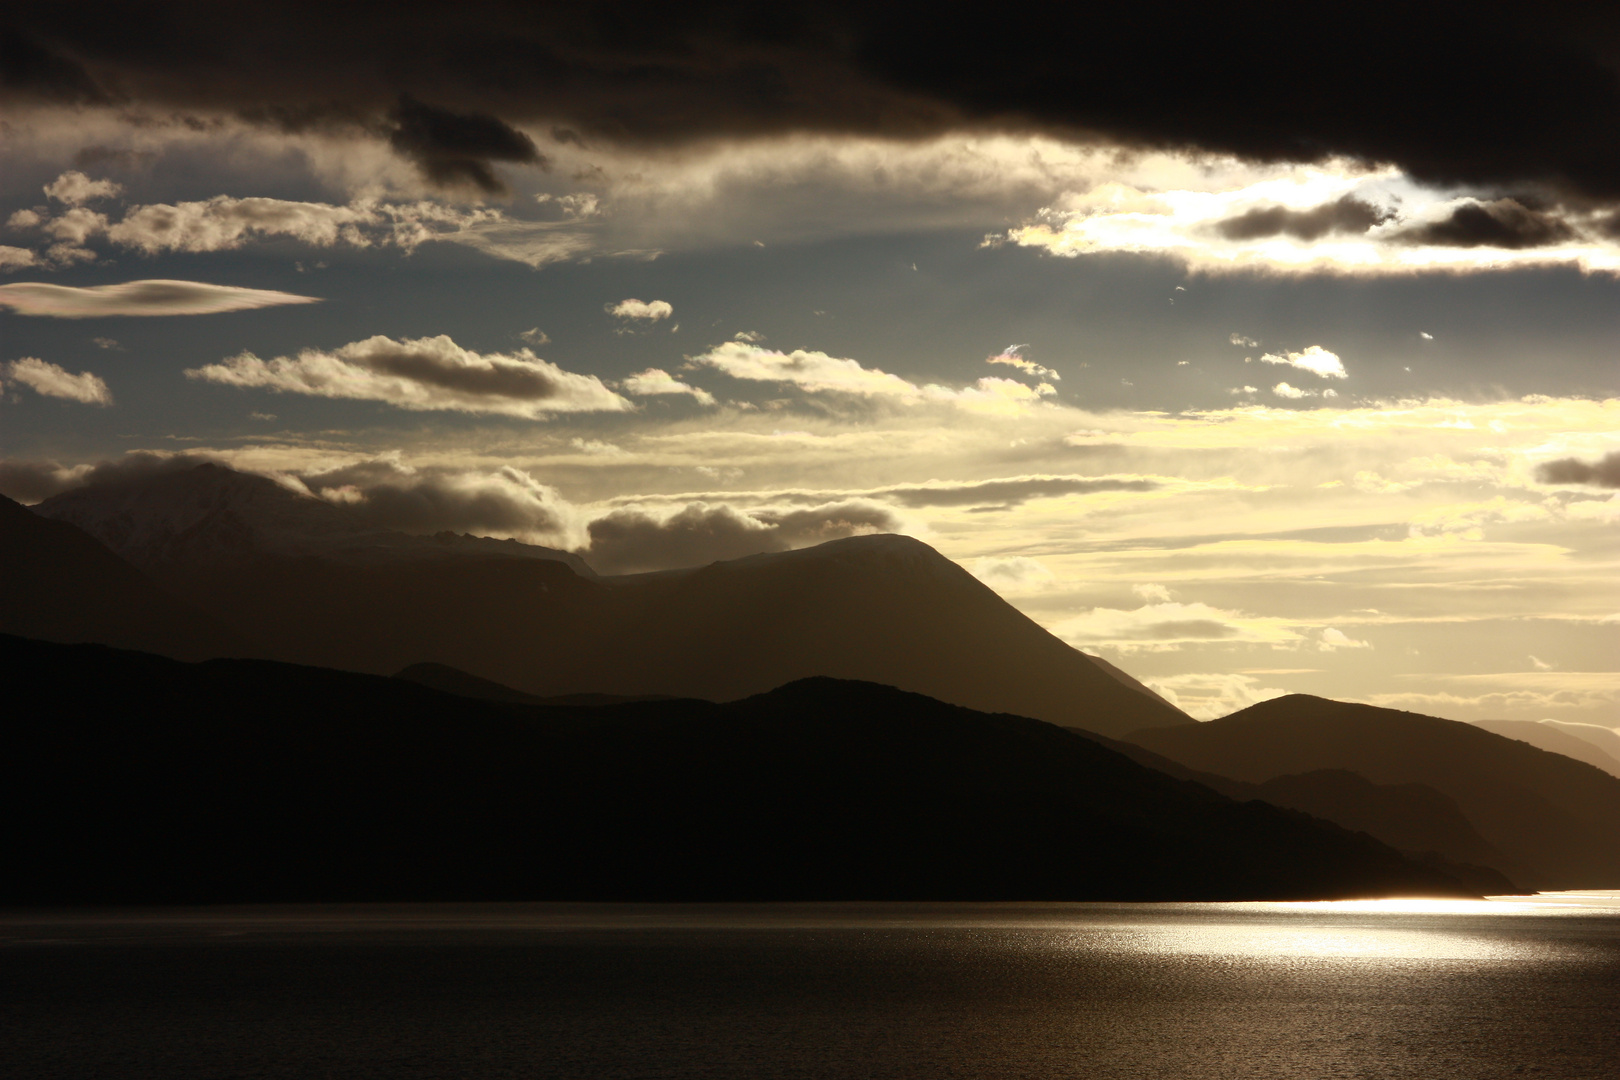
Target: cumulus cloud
629	540
1332	639
422	374
816	372
644	310
1605	472
50	380
1011	356
74	188
1315	359
151	297
534	336
1283	390
386	493
226	223
1239	339
15	258
657	381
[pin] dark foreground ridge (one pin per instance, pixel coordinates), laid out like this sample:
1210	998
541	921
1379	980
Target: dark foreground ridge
130	778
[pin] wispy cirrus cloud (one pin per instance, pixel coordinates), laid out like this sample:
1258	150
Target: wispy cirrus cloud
152	297
422	374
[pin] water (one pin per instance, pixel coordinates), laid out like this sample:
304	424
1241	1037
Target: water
1420	989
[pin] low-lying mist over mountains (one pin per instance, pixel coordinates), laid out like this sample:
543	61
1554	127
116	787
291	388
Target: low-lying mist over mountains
861	719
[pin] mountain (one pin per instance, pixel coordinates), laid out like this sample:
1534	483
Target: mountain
176	520
1557	740
1551	818
1415	819
1606	739
888	609
150	781
60	584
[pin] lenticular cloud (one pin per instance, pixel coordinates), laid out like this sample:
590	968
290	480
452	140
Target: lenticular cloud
153	297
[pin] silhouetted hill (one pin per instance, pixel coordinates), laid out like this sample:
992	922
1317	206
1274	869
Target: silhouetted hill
147	780
1552	819
1412	818
60	584
1554	740
886	609
454	681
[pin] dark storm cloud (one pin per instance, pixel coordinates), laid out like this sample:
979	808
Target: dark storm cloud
1449	92
630	541
29	69
1505	223
1346	215
456	148
1602	473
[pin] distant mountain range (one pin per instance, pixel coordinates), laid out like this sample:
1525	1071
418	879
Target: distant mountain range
131	778
598	694
306	584
1550	819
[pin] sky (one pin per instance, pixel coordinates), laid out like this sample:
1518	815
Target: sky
1257	355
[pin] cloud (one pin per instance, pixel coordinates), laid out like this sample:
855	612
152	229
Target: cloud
1315	359
1275	219
385	493
422	374
1347	214
1505	223
74	188
1011	356
1283	390
816	372
1171	625
1010	491
455	149
807	369
1154	593
534	336
706	72
152	297
1013	573
1210	696
1331	639
223	223
657	381
49	380
15	258
628	541
226	223
30	482
649	311
1604	472
1239	339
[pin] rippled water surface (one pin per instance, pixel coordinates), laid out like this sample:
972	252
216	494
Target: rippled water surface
1504	988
